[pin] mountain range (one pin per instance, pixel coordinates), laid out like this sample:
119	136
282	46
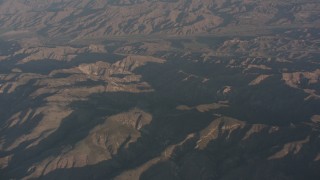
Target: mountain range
160	89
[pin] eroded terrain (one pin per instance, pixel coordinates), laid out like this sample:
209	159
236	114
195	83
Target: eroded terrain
207	90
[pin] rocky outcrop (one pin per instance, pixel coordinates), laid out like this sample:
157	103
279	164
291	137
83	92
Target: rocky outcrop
259	79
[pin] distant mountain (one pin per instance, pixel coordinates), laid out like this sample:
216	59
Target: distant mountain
100	18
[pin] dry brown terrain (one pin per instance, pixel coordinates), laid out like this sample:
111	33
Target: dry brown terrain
160	89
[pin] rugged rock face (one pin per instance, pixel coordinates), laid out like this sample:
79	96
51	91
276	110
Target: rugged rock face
159	89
